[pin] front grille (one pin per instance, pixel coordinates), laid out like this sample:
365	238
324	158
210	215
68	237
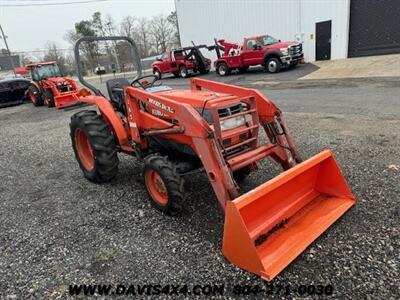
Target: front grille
227	142
228	111
295	49
63	88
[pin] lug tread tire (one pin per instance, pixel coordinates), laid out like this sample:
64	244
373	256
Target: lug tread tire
39	98
102	142
172	180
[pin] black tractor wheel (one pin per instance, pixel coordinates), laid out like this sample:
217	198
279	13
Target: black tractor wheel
222	69
242	174
183	72
157	73
94	146
35	96
50	99
163	184
273	65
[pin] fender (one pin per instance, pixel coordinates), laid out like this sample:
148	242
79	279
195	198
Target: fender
113	120
273	53
220	60
157	68
36	85
52	86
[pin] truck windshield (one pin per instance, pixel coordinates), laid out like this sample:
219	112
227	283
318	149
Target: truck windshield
268	40
46	71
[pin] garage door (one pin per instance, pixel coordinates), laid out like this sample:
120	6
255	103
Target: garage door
374	27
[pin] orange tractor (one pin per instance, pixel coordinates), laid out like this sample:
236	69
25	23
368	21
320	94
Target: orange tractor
50	87
215	128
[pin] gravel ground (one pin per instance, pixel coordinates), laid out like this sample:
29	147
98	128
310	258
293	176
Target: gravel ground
56	228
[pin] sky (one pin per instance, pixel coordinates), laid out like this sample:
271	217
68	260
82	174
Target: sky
31	27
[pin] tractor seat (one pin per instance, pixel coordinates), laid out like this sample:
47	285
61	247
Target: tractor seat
115	89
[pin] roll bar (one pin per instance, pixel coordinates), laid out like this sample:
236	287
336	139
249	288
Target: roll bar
134	52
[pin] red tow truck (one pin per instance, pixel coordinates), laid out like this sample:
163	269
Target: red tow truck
182	62
262	50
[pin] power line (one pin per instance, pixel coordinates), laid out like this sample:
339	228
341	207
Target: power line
50	3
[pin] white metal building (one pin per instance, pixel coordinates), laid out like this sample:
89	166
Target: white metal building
328	29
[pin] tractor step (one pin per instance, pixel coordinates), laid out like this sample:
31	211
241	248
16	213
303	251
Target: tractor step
268	227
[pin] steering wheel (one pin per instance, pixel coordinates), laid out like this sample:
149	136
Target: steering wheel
143	83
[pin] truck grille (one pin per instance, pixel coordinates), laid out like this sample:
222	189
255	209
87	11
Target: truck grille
295	49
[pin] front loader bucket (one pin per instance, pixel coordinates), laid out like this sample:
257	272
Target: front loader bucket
66	99
268	227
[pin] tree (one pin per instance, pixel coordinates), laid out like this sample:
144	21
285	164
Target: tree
90	50
138	30
173	20
161	31
128	27
54	54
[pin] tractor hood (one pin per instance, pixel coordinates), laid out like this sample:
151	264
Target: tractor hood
57	80
199	99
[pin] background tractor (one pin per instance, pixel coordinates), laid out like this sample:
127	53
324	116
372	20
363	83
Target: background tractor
50	87
213	128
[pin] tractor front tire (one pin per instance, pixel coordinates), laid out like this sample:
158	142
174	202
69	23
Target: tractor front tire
94	146
164	184
50	99
35	96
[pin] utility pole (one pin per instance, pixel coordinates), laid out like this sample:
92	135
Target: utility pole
8	50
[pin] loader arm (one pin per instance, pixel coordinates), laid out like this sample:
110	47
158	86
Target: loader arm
271	117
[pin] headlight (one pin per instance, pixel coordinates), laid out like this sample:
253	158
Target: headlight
232	123
284	51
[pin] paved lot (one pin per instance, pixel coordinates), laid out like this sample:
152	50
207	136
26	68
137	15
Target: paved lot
56	228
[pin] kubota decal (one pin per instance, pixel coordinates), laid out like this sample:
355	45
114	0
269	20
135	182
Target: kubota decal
162	106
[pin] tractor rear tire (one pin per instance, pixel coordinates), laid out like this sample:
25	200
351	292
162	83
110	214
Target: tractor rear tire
183	72
223	69
94	146
164	184
50	99
242	174
35	95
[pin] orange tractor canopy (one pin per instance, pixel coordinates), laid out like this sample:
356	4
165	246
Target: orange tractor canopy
213	128
50	87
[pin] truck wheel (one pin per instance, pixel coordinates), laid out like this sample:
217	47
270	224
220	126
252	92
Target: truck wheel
35	96
94	146
183	71
163	184
157	73
273	65
222	69
50	99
